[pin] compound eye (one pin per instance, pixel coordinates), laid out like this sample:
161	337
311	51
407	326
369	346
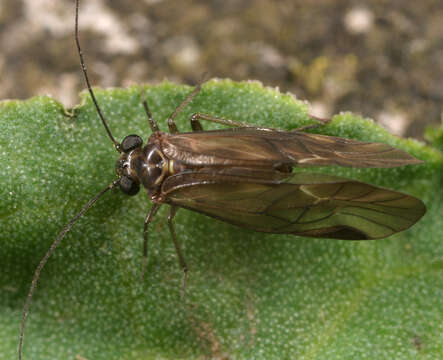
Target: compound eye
131	142
129	186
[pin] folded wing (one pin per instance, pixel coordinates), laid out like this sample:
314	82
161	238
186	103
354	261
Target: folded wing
314	205
251	147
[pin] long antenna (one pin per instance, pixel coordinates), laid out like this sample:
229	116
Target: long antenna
88	84
45	258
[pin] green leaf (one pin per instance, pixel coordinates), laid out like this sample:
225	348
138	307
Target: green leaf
435	136
249	295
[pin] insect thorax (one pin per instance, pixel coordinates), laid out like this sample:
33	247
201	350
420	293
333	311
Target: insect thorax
147	166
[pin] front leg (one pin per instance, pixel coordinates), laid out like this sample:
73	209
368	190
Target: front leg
171	123
149	216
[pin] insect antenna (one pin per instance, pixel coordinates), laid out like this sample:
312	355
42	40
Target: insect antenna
45	258
88	84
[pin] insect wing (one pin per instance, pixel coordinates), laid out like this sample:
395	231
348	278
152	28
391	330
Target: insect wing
250	147
314	205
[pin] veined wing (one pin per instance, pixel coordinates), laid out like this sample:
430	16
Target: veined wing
314	205
251	147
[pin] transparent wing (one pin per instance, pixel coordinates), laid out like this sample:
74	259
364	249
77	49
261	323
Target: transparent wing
251	147
314	205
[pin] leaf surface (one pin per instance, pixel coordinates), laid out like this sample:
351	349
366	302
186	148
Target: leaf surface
249	295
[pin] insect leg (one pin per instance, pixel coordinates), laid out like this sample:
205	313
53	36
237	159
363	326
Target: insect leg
171	124
152	122
149	216
181	259
196	125
320	122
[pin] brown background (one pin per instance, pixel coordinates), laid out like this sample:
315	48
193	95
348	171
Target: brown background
382	59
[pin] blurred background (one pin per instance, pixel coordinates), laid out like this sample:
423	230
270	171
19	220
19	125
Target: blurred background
382	59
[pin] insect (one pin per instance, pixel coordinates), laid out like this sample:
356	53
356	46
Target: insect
244	175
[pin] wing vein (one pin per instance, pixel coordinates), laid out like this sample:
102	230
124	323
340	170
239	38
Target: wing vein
370	220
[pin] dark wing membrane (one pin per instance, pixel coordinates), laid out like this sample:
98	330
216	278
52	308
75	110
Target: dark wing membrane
314	205
250	147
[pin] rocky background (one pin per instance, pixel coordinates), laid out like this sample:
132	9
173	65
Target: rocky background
382	59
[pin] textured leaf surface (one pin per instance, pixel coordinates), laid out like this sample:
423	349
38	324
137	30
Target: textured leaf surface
249	295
